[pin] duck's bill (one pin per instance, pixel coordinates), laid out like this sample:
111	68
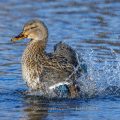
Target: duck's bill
19	37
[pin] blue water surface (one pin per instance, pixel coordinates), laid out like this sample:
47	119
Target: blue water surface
92	28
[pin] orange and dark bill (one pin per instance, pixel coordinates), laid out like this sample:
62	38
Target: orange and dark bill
19	37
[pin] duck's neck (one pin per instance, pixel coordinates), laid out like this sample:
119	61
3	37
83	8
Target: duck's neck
41	44
34	51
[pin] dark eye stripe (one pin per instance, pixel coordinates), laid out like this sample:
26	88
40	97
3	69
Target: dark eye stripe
30	28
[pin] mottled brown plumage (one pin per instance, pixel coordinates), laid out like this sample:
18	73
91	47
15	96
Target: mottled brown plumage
41	70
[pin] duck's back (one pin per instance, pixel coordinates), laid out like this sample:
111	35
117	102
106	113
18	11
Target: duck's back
67	58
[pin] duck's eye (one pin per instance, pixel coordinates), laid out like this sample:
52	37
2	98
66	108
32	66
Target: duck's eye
63	47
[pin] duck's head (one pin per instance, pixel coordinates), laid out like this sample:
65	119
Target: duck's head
34	30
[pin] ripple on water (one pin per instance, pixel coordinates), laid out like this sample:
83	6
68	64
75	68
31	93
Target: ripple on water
92	28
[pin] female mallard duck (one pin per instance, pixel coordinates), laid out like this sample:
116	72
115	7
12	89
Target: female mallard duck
43	71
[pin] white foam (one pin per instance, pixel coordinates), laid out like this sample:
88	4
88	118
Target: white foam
58	84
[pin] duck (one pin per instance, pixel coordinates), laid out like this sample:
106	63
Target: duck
43	71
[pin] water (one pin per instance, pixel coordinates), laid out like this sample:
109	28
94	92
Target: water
92	28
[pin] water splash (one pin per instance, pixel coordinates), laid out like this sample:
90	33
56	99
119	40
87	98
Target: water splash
100	78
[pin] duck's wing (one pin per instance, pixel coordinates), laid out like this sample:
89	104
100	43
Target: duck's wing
65	51
57	62
70	56
65	59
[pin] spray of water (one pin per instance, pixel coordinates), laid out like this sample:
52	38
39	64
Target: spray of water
101	76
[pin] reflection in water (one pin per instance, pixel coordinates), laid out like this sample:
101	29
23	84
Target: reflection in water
36	109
